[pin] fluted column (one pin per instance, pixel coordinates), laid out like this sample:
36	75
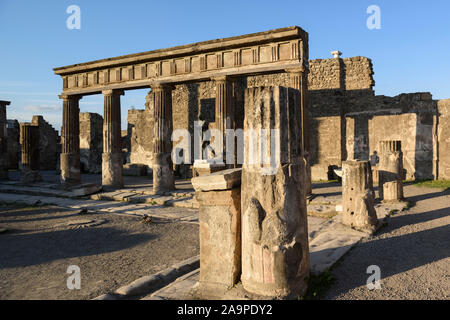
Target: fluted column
299	80
70	140
390	170
112	162
29	140
224	114
163	178
3	140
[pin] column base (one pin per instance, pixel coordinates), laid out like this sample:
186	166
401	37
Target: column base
70	168
163	178
3	168
112	168
30	176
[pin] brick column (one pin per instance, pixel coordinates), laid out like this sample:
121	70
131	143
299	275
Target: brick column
163	178
3	140
224	112
298	78
112	146
29	140
70	140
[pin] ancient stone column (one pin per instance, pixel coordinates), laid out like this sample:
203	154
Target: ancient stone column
3	140
275	253
163	178
112	162
224	113
357	195
219	197
70	140
299	80
390	170
29	140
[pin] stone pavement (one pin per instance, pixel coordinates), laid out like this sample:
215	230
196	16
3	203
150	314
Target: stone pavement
329	240
135	209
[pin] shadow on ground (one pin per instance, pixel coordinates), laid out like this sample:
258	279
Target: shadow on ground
23	250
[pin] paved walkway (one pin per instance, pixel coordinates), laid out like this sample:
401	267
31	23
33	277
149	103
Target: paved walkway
412	252
119	207
329	240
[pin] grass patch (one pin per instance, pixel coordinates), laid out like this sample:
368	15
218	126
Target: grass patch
439	184
318	285
392	212
324	181
409	205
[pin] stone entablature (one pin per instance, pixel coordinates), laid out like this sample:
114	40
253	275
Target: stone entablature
262	52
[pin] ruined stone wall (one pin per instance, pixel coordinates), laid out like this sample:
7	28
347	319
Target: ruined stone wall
443	138
325	74
331	83
140	131
358	74
353	74
347	119
409	118
48	144
91	142
13	144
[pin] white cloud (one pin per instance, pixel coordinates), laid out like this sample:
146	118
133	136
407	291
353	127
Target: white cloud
42	108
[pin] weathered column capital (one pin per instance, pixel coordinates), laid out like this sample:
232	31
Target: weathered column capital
220	78
64	96
111	92
4	103
158	86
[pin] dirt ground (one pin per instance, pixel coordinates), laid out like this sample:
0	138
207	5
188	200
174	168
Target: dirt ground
412	251
111	250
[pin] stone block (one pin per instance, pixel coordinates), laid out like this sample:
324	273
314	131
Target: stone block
220	230
221	180
392	191
220	238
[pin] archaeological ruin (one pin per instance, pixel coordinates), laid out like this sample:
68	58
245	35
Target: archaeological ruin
249	123
198	82
201	86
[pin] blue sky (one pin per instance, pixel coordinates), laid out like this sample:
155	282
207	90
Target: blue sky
410	52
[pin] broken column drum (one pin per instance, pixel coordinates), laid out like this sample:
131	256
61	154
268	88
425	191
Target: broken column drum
390	170
357	195
3	140
275	253
29	140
